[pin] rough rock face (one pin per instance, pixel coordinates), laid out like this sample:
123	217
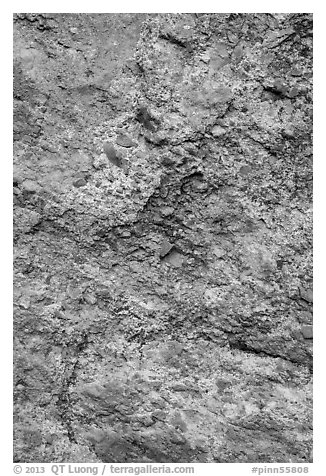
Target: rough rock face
162	222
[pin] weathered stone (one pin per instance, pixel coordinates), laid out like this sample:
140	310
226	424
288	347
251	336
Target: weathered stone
180	387
307	332
218	251
167	211
174	258
124	141
166	247
112	154
306	294
295	71
25	220
305	316
145	118
25	301
218	131
90	298
81	182
126	234
245	170
30	186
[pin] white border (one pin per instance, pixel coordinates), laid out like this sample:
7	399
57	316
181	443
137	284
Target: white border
168	6
319	193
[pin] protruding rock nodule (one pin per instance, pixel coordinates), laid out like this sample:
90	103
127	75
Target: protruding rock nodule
112	155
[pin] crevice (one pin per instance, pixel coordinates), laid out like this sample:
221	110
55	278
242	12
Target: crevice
175	41
64	403
244	347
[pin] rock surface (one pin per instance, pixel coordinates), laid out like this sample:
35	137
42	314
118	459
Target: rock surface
163	308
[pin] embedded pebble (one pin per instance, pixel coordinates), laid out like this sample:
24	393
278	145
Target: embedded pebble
218	252
167	211
174	259
30	186
180	387
306	294
245	170
145	118
295	72
293	92
166	247
90	298
307	332
25	302
111	154
218	131
81	182
124	141
279	87
305	316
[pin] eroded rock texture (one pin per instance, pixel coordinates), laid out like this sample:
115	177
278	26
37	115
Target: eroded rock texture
162	207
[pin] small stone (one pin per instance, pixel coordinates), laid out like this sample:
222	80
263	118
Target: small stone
74	292
17	176
305	317
90	298
177	439
295	72
279	86
293	92
125	234
159	414
218	252
124	141
145	420
297	334
288	133
112	155
50	438
306	294
25	219
222	384
175	259
218	131
93	390
157	219
81	182
199	186
133	66
169	160
307	332
212	297
167	211
180	387
166	247
59	315
238	52
146	119
134	266
25	301
190	148
178	422
205	58
245	170
47	146
30	186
